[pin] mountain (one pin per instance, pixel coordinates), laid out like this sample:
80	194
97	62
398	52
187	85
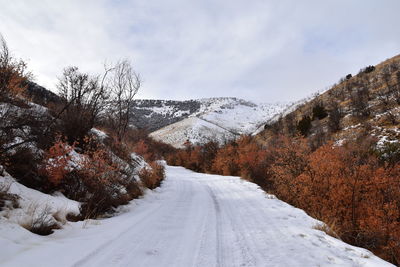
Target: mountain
40	95
199	121
154	114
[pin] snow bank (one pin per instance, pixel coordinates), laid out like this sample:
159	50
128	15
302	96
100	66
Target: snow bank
35	205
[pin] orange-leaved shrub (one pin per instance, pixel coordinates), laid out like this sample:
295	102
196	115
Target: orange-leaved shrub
225	160
13	74
107	181
153	176
150	149
347	187
56	161
95	177
290	160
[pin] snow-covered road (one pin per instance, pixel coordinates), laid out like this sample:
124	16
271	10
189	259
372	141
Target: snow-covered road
193	220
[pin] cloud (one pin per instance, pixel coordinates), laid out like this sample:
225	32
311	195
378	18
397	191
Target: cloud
260	50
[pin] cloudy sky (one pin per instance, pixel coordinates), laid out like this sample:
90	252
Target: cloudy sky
260	50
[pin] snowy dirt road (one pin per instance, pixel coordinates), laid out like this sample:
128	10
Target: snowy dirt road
193	220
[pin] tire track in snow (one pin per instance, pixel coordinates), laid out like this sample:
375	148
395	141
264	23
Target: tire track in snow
248	259
141	221
151	244
107	243
218	224
253	227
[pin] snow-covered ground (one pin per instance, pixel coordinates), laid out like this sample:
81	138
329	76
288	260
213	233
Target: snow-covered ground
192	220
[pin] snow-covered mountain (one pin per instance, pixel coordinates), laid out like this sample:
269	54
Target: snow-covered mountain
202	120
153	114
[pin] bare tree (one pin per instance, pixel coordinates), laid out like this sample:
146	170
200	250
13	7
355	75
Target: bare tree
335	115
396	89
388	96
318	137
124	84
359	99
290	124
84	99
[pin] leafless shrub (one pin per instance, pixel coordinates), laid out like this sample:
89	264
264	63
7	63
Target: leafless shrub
84	99
7	200
328	229
152	178
40	221
24	167
334	118
359	100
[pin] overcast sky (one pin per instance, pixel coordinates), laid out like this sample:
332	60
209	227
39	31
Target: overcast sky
263	50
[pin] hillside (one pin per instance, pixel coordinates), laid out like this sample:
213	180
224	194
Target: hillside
219	119
154	114
194	129
365	104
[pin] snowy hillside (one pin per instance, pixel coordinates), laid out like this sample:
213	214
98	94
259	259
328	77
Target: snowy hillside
237	115
217	119
192	220
194	129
